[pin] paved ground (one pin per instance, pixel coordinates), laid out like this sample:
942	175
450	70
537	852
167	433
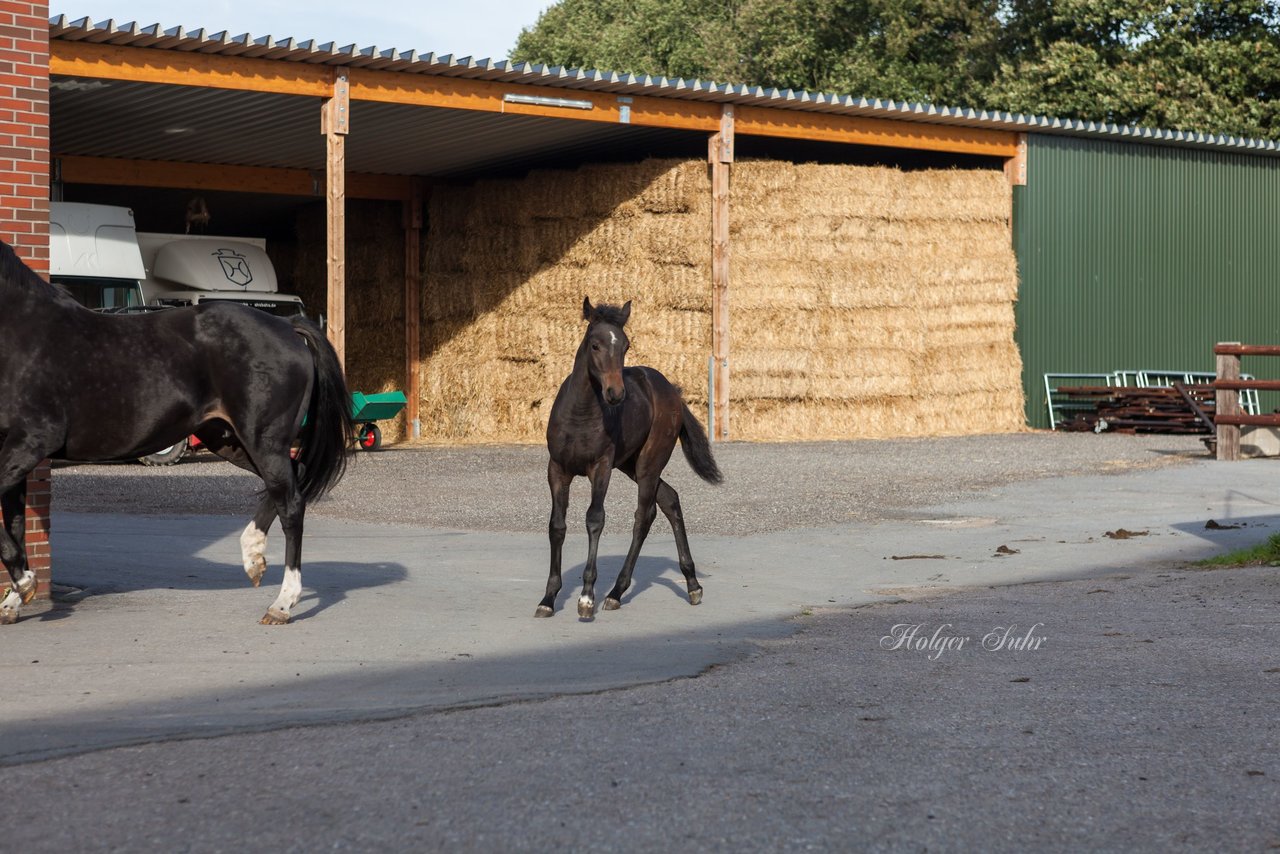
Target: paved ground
1143	719
769	487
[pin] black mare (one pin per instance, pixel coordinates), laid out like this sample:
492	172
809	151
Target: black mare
76	384
608	416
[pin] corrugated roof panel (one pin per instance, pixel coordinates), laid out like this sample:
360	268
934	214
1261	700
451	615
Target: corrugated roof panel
186	124
192	124
329	53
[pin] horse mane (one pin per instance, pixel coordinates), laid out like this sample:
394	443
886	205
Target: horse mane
14	271
612	314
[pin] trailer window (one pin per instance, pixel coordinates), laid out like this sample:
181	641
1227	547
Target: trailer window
101	293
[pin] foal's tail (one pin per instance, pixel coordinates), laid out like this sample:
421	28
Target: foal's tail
697	449
326	435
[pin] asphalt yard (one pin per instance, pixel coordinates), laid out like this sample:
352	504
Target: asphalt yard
992	643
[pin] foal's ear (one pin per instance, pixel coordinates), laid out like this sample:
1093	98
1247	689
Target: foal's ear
626	312
587	310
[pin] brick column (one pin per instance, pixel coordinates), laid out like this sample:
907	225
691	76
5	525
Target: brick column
24	196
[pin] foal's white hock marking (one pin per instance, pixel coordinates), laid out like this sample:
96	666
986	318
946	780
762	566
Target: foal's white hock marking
290	590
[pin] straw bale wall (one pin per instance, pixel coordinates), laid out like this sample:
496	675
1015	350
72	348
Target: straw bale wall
871	302
508	264
864	302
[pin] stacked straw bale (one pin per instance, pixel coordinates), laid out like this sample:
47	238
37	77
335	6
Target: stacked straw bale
870	302
864	301
508	264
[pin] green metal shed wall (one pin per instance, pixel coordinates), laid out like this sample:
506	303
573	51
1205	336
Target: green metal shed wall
1141	257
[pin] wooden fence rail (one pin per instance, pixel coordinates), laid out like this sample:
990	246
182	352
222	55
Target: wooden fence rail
1228	418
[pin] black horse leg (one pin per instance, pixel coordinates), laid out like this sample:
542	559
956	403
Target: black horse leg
645	514
253	540
23	579
221	440
559	483
595	524
669	502
18	456
282	489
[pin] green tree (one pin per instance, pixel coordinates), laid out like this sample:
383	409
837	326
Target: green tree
1211	65
676	38
1207	66
902	49
938	51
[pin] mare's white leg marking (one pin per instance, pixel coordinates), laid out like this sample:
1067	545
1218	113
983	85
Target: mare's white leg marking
290	590
253	547
9	607
26	586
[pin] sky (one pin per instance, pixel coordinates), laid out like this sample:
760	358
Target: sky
477	28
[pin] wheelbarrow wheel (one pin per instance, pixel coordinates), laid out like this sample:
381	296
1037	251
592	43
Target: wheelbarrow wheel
167	456
369	438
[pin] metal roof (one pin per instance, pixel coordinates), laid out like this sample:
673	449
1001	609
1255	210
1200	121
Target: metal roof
199	125
412	62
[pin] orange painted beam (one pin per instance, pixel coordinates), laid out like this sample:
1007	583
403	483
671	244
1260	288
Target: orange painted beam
425	90
183	68
894	133
114	171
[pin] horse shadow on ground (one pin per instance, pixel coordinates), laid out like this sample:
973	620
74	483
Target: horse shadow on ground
169	554
650	572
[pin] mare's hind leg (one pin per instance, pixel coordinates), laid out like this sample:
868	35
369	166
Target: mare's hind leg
282	487
669	502
253	540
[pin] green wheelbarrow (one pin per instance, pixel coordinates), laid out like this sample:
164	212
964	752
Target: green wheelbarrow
368	408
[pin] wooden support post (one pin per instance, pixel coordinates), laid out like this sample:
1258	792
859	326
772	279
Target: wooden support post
1015	168
412	307
720	155
335	122
1228	403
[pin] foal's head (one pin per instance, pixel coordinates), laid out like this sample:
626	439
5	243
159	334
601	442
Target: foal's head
605	347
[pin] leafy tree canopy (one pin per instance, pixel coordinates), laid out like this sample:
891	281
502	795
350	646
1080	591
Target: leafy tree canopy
1207	66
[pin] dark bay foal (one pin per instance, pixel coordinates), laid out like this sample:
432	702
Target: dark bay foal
608	416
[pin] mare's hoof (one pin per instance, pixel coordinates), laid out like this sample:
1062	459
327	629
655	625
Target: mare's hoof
612	604
256	570
543	611
695	596
27	588
275	617
586	609
8	616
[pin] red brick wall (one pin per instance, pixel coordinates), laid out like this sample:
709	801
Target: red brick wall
38	554
24	195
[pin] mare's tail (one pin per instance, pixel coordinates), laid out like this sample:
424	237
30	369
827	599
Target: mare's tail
697	449
327	434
